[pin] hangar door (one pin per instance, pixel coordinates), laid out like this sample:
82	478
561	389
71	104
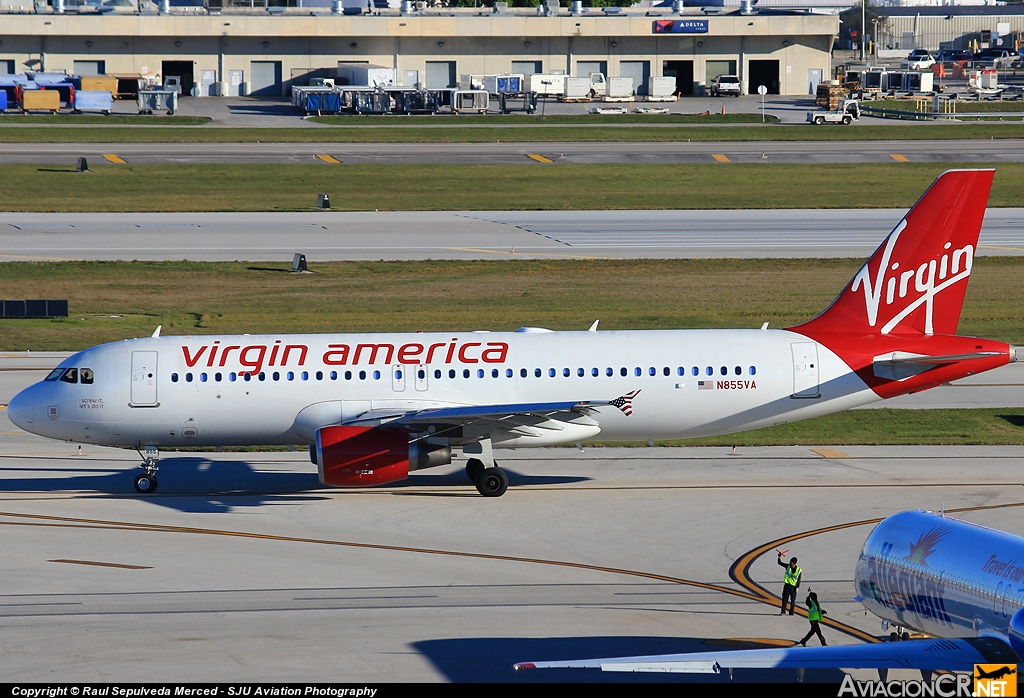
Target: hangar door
640	71
440	74
682	71
265	78
763	73
184	70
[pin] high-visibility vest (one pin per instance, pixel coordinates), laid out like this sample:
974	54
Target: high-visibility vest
792	575
813	610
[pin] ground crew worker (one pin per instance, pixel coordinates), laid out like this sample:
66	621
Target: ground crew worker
814	614
790	583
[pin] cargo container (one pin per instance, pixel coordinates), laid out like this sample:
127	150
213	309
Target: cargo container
493	84
93	100
365	74
576	89
300	96
620	88
661	88
547	85
99	83
40	100
128	86
157	100
919	82
366	102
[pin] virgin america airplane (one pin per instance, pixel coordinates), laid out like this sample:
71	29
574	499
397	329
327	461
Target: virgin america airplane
374	407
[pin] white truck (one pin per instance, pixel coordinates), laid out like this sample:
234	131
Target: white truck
567	87
847	113
365	75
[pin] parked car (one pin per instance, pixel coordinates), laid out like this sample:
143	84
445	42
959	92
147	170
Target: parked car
726	85
919	59
952	56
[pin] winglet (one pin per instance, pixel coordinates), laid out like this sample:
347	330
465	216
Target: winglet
156	332
523	665
593	328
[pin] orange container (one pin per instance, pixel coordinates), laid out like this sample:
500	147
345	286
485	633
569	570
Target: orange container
40	100
99	83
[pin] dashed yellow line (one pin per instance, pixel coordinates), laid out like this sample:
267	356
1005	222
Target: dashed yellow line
720	157
329	159
538	157
829	453
898	158
114	159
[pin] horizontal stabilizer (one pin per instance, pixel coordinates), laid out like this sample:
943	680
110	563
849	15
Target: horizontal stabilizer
900	365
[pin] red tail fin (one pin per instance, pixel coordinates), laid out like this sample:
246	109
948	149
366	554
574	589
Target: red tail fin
915	281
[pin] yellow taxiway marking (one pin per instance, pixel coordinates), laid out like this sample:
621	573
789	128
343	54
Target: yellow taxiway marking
898	158
115	159
720	157
829	453
329	159
538	157
103	564
998	247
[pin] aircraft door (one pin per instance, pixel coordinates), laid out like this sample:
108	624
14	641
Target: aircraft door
398	379
144	365
805	369
421	377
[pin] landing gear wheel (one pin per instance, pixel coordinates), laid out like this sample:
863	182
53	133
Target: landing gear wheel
474	467
905	636
492	482
145	483
893	637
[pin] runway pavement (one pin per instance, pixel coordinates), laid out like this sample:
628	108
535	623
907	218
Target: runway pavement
326	236
243	568
993	151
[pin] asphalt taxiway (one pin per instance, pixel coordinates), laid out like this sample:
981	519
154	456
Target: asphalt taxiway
242	567
552	153
335	235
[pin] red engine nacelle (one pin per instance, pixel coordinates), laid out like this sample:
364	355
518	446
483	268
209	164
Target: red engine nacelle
361	456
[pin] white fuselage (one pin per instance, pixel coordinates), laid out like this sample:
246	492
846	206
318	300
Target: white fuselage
170	391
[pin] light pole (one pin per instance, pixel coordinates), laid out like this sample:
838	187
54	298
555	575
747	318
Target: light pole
863	13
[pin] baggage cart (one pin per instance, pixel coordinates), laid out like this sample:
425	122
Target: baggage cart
94	100
98	83
470	101
157	100
40	100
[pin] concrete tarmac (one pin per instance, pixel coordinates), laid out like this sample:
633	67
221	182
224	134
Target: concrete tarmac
241	567
326	236
1003	150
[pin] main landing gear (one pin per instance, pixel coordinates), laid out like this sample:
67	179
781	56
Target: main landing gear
483	471
147	482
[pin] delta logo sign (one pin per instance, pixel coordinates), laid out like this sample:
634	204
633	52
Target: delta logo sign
680	26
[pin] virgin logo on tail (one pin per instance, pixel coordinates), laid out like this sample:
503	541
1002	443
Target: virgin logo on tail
915	281
954	264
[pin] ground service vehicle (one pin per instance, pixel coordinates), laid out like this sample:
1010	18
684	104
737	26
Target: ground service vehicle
847	113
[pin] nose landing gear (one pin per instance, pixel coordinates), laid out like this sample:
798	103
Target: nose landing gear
147	482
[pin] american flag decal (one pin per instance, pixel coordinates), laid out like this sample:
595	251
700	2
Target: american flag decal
625	403
705	385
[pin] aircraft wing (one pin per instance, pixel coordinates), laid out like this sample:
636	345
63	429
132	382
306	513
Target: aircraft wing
929	655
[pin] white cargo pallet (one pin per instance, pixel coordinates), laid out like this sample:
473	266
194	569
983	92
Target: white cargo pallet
669	98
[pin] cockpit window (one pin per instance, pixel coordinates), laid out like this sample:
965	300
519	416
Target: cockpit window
87	376
54	374
70	376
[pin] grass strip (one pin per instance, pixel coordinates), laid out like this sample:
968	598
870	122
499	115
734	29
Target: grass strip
135	188
880	427
108	120
510	134
110	301
544	120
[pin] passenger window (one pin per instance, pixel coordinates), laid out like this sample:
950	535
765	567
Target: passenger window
622	371
174	378
710	371
595	372
565	373
334	375
70	376
319	375
494	373
421	374
681	371
465	373
652	371
362	375
398	374
276	376
232	376
638	371
290	375
753	370
348	375
695	371
218	377
508	372
536	373
479	373
451	373
54	374
202	377
667	371
437	374
609	371
376	376
305	375
551	373
580	372
262	375
522	373
245	376
738	370
188	377
87	376
724	370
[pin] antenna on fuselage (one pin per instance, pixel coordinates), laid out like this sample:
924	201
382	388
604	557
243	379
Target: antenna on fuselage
593	328
156	332
942	512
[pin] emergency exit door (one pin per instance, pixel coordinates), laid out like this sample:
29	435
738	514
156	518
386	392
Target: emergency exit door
144	379
805	369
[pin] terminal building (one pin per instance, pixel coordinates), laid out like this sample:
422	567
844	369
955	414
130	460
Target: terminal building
264	51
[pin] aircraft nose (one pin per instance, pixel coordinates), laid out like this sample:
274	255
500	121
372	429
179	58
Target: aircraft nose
21	408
